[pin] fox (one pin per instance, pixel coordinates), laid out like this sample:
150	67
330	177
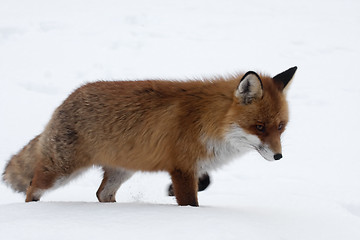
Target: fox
185	128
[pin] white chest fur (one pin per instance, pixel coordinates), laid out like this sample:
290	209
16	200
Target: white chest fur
235	143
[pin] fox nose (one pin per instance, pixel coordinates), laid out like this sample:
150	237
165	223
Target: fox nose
278	156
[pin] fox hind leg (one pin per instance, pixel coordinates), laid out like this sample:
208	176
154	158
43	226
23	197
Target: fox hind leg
112	180
203	182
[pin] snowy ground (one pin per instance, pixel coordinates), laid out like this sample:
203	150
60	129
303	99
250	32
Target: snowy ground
48	48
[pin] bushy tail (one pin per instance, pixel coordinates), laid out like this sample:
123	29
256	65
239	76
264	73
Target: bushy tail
20	169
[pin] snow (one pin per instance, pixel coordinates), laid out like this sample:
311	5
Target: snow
48	48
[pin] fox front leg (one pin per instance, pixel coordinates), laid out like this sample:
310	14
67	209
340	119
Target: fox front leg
185	187
203	183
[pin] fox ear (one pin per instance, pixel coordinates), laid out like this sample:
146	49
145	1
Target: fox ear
250	88
282	79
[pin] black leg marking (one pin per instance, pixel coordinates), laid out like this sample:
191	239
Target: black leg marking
204	182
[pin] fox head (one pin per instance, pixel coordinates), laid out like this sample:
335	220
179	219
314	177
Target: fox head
259	113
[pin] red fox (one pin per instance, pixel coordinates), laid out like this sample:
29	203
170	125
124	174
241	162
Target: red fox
185	128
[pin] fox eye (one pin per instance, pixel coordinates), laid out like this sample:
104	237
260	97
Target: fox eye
260	127
281	126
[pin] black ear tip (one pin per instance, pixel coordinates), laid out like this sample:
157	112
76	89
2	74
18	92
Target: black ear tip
287	74
285	77
292	70
251	73
255	74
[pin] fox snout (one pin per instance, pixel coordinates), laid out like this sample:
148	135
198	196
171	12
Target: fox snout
275	145
271	149
266	152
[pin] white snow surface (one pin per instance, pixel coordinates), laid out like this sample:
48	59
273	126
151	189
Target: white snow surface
49	48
